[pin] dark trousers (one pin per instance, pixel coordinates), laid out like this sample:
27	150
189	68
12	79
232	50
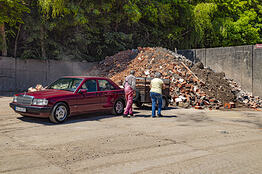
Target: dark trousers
156	98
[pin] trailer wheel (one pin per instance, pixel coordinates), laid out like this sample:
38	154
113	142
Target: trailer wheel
137	96
138	104
164	103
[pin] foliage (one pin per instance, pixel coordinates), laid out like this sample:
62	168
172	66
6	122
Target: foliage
204	17
92	29
11	13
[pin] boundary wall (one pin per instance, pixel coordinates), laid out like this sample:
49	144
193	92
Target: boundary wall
17	75
241	63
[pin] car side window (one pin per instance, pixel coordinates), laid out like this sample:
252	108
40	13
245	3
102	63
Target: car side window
90	85
105	85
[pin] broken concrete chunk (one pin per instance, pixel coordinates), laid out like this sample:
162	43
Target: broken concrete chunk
147	72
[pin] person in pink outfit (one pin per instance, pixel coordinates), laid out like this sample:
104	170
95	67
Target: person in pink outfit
129	84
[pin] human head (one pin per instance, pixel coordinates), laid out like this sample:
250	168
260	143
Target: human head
157	74
132	72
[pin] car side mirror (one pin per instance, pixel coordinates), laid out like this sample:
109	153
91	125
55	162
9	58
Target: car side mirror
82	91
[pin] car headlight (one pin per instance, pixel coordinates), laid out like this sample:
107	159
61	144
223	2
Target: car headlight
41	102
15	99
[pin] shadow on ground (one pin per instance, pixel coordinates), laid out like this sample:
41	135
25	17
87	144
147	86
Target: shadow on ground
82	118
148	107
149	116
70	120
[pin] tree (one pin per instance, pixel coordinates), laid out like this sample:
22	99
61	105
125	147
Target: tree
203	17
10	14
228	22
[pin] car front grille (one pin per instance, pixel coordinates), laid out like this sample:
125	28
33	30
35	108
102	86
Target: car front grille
25	99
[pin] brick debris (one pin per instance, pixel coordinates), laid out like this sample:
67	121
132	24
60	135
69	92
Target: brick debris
192	85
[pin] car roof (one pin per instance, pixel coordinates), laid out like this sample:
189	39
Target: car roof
92	77
85	77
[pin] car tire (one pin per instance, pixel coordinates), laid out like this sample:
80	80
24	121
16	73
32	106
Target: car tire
59	113
119	107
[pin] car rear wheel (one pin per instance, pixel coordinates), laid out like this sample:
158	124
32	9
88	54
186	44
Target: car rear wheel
119	107
59	113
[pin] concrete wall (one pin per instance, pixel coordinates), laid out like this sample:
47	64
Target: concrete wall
7	75
241	63
236	62
257	71
18	75
190	54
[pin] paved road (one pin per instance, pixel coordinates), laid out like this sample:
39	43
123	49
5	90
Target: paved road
184	142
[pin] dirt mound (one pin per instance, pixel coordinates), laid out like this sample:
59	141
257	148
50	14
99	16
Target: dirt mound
216	84
117	63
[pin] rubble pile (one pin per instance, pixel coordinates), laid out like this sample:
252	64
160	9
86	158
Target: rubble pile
117	63
191	85
216	84
185	88
245	98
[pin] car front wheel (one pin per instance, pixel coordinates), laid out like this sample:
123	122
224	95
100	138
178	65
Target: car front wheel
59	113
119	107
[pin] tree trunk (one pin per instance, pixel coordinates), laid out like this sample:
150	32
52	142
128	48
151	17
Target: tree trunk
42	38
16	39
4	46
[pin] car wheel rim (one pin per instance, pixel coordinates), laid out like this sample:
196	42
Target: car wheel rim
119	107
61	113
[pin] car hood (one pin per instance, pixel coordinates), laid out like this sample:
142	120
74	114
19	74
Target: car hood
48	93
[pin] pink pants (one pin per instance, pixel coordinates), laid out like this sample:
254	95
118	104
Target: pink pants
129	92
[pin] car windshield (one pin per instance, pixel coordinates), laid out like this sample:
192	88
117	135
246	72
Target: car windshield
67	84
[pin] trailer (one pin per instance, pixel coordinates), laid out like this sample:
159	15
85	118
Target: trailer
142	92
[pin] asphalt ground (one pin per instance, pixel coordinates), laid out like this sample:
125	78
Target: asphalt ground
184	141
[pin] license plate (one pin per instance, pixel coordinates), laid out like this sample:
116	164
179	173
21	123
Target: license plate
20	109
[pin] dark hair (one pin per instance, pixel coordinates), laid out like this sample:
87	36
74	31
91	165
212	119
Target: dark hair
132	72
157	74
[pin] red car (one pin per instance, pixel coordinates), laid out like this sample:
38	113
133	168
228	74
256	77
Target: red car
72	95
